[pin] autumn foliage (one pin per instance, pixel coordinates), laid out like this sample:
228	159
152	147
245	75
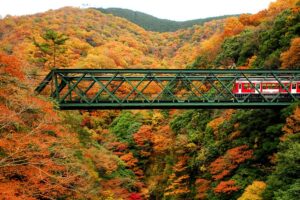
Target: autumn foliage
178	179
11	65
28	167
254	191
291	58
226	187
292	125
223	165
203	186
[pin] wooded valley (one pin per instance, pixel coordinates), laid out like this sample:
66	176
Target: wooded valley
172	154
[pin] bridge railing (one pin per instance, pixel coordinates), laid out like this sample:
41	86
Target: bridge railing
137	88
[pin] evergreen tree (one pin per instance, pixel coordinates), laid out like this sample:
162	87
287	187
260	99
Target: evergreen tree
52	45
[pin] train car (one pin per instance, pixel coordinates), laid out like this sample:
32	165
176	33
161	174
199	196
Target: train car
267	87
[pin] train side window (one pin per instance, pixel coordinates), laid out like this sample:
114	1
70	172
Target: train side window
269	85
264	86
274	86
294	86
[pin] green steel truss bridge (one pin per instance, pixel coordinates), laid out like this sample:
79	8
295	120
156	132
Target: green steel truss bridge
169	88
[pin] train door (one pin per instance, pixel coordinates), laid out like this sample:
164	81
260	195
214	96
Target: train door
294	88
240	88
298	88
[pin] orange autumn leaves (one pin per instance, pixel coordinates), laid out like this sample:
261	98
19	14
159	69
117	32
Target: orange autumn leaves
202	186
220	169
178	179
29	133
292	125
10	65
291	58
157	141
8	117
223	165
226	187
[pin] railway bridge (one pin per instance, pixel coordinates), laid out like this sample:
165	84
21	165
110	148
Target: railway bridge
170	88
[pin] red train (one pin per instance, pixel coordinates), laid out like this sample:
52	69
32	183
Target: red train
269	87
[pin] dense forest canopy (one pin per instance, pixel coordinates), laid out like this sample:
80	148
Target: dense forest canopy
151	23
147	154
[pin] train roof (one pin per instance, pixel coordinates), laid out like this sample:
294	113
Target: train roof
266	79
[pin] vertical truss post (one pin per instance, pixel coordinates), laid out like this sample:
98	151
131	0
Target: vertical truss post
54	75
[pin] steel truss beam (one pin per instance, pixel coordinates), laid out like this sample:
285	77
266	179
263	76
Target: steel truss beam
143	89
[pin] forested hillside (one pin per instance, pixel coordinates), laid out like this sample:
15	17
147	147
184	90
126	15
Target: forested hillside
145	154
151	23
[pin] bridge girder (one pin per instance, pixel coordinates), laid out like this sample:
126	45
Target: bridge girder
165	88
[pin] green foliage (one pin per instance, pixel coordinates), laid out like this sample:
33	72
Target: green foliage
245	175
190	121
72	119
201	62
78	154
151	23
256	130
277	39
179	123
165	113
291	193
267	43
286	112
2	152
238	49
284	181
84	137
253	122
125	125
50	132
222	196
121	172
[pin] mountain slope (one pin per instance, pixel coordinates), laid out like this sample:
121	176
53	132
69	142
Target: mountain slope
98	40
268	40
151	23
